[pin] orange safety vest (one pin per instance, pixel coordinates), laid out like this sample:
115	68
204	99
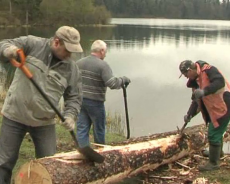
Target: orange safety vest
214	103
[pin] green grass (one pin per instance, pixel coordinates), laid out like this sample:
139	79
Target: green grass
26	153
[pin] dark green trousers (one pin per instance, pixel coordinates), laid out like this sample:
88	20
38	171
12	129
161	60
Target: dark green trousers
215	135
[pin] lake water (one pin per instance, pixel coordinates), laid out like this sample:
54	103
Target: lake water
149	52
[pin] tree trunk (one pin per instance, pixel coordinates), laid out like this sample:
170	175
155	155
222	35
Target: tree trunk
10	4
27	17
121	160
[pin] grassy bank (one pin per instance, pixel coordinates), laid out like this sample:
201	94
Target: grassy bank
64	141
64	144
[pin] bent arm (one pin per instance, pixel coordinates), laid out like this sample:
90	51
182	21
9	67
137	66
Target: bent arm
193	109
108	78
21	42
216	81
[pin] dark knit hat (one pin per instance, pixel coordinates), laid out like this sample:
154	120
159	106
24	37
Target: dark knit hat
185	66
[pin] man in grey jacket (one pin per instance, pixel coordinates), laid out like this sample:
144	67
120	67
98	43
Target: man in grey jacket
96	77
24	109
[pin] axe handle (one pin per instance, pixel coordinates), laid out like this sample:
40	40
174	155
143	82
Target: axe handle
182	129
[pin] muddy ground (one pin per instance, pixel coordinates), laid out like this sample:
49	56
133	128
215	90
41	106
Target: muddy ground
185	171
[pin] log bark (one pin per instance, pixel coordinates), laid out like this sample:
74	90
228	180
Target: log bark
121	159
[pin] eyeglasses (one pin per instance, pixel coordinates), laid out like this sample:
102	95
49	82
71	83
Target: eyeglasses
184	72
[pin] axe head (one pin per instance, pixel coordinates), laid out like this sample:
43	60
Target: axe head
91	155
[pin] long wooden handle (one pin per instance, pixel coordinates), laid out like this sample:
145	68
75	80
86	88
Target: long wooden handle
126	111
184	126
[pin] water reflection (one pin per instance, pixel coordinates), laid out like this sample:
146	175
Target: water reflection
181	24
139	37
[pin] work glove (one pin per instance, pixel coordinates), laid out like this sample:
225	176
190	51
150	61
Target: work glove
187	118
10	52
69	123
125	81
198	93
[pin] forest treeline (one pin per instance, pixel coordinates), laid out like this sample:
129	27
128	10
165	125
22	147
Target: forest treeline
53	12
180	9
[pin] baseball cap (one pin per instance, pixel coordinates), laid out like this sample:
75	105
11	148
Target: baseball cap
70	37
185	66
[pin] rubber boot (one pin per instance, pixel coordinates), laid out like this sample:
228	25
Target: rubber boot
205	152
214	156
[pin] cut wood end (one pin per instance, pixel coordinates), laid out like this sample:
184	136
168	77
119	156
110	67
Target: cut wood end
32	172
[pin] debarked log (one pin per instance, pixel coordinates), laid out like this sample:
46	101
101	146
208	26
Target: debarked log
121	160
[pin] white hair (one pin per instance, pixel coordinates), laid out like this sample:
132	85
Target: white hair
98	45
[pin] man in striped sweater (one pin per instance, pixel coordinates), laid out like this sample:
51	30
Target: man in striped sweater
96	77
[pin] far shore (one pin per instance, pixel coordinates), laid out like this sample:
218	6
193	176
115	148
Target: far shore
36	25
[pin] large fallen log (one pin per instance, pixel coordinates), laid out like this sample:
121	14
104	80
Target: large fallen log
121	160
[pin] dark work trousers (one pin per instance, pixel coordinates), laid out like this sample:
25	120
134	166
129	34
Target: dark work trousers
215	135
11	137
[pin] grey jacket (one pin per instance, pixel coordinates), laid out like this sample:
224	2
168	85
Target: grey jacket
24	103
96	77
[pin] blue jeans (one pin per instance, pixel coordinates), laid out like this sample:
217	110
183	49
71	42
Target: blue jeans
92	112
11	137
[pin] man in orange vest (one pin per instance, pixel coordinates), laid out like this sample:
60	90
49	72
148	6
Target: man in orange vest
211	96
